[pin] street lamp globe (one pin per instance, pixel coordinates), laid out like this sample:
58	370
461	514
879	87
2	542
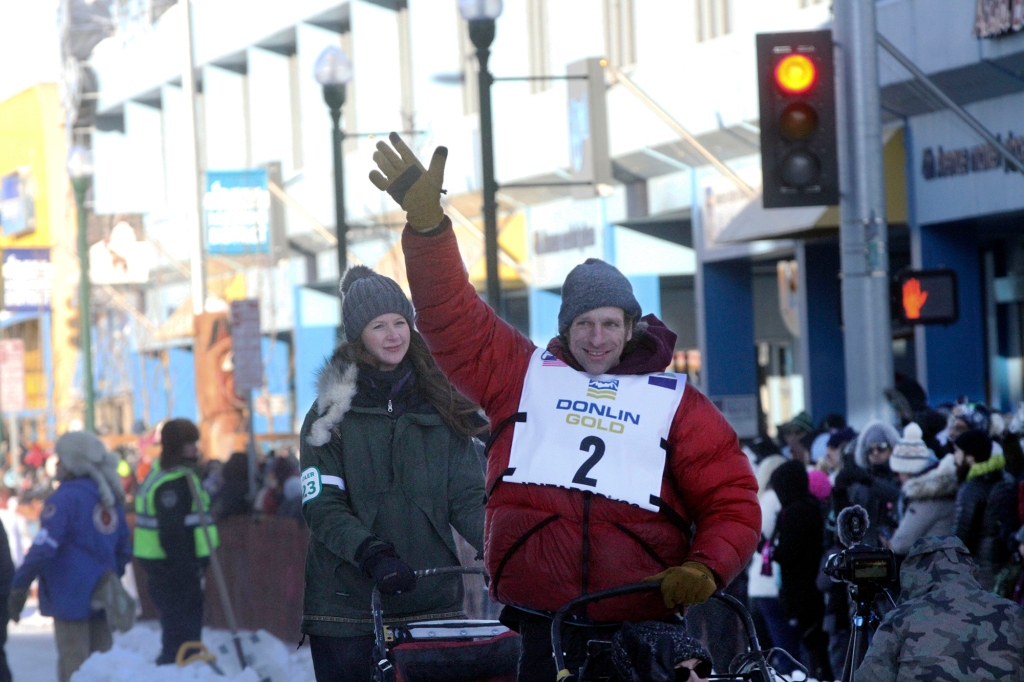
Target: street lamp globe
79	163
476	10
332	67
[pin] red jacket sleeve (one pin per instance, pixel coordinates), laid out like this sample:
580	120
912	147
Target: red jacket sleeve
716	485
483	356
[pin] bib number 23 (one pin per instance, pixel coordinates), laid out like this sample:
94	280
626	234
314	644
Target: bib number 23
595	444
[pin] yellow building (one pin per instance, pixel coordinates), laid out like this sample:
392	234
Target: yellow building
37	223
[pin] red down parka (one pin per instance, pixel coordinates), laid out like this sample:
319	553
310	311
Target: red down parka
546	545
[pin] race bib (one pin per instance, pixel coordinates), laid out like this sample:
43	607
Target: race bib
311	485
598	433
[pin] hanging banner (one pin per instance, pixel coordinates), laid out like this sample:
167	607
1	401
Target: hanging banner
28	280
245	341
237	212
589	157
12	375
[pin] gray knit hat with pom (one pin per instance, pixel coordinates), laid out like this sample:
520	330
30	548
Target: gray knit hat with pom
595	284
368	295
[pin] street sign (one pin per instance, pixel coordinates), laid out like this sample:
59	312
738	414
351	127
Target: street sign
589	158
246	344
237	207
12	375
927	297
28	280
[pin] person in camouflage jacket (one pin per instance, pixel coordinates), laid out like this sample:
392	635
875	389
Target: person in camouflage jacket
945	627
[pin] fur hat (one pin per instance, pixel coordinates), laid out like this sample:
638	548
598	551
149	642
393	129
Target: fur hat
82	454
910	455
367	295
651	650
175	435
595	284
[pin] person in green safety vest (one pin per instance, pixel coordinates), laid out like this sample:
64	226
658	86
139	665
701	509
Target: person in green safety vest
169	539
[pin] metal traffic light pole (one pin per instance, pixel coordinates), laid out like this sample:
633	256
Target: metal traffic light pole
863	233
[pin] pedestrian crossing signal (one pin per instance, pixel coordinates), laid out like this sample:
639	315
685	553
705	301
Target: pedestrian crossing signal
927	296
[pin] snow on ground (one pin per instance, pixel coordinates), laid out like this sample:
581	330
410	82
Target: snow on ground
132	657
31	651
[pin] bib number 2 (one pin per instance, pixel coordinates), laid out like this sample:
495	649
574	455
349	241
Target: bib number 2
597	445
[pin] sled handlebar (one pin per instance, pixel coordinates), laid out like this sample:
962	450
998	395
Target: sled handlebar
730	602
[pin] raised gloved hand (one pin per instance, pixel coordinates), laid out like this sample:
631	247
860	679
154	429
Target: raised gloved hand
392	575
686	585
417	190
15	603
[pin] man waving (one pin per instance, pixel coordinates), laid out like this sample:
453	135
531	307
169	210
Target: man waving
603	469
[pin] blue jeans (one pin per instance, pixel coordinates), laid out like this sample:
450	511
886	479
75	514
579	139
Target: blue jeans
784	636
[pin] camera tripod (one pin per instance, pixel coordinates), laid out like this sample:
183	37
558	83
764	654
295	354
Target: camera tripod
863	596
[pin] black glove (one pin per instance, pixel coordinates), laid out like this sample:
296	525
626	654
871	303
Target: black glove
15	603
392	575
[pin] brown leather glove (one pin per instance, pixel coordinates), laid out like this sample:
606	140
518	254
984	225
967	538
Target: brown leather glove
686	585
417	190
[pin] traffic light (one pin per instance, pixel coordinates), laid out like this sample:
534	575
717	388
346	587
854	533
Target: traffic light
926	296
796	81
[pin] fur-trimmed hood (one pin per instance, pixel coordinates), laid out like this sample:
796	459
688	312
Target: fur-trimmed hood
938	483
875	432
336	385
83	455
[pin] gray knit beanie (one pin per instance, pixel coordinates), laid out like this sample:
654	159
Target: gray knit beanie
368	295
595	284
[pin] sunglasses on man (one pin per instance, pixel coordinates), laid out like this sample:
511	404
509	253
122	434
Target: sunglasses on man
702	670
879	447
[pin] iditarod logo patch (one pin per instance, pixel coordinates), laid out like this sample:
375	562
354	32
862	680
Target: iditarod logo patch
105	519
603	390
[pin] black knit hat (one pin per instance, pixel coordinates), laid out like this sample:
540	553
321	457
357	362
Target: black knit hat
651	650
595	284
975	443
368	295
175	435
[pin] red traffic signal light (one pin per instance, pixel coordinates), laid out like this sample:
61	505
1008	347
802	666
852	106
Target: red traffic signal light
796	74
796	82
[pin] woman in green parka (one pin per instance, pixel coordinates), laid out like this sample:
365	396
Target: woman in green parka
388	468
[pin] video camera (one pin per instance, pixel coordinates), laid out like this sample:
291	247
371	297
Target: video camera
867	571
860	565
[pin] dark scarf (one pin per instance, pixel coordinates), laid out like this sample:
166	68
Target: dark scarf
376	387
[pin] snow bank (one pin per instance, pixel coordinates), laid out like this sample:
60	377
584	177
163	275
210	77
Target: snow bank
134	652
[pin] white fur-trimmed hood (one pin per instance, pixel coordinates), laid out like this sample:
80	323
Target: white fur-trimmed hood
335	388
935	484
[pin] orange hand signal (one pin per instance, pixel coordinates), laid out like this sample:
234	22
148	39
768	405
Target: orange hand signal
913	298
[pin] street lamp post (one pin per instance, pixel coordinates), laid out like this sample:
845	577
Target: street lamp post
80	171
481	15
333	71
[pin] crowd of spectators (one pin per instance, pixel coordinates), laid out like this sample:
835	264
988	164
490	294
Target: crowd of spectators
957	469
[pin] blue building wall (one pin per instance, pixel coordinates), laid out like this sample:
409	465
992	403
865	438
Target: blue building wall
317	317
826	362
956	353
730	361
275	372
